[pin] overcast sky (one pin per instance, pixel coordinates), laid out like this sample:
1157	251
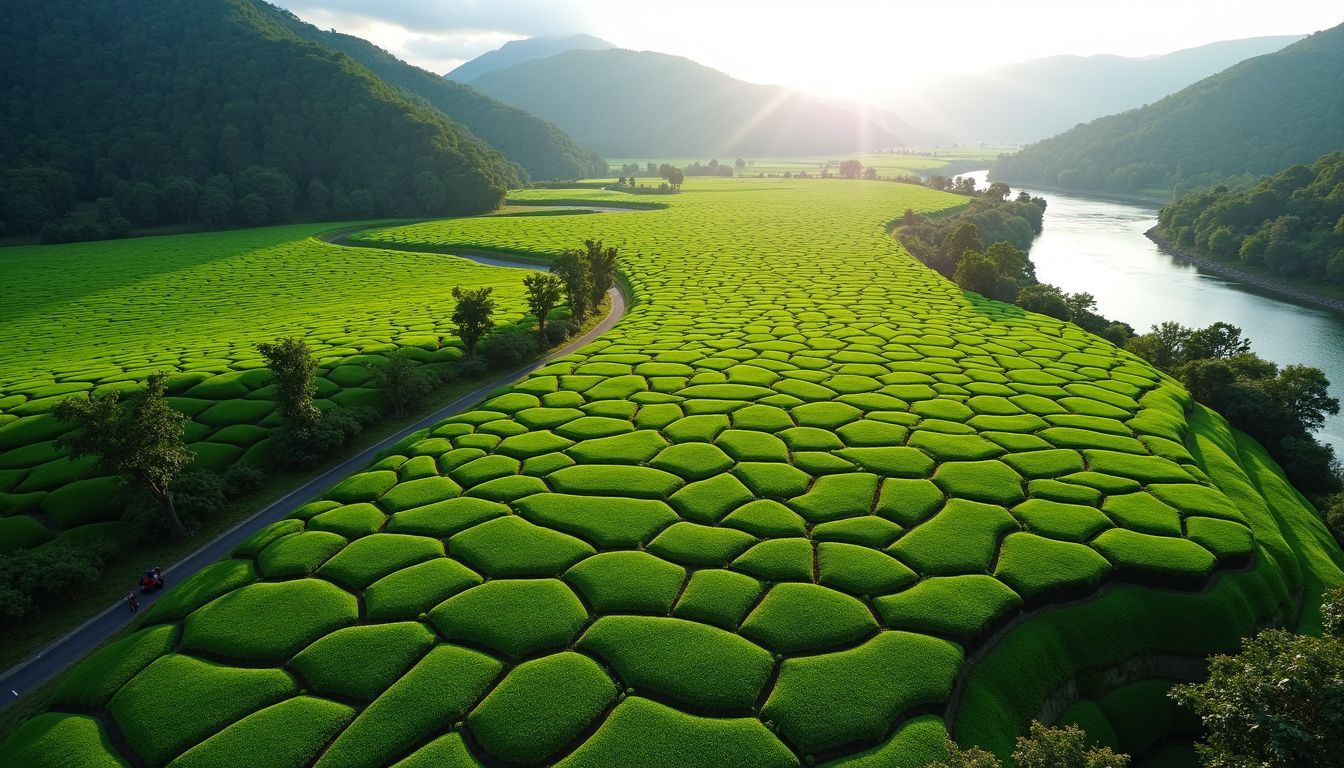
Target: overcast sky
840	48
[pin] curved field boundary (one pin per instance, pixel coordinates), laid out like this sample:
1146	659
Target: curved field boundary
50	661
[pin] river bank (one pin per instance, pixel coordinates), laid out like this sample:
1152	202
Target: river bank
1253	279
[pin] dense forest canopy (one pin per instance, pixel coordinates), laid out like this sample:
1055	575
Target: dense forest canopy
643	104
1257	117
543	150
210	112
1291	223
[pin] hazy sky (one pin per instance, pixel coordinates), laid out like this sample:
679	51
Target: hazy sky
840	48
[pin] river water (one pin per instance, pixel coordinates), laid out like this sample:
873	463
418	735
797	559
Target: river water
1098	246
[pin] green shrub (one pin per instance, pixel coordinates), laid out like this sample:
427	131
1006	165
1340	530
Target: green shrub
511	546
440	689
179	701
807	617
822	701
31	579
644	732
627	582
697	665
718	597
957	606
61	739
93	682
368	559
541	706
514	617
269	621
362	662
292	732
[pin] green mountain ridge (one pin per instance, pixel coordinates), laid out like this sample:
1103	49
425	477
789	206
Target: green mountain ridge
625	103
1255	118
542	149
211	111
518	51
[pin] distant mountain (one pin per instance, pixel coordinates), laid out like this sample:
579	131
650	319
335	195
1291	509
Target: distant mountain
1032	100
542	149
1257	117
518	51
212	112
643	104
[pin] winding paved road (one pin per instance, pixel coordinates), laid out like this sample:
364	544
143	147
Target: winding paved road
32	672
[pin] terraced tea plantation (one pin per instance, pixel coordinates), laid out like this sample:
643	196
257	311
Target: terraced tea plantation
96	317
808	504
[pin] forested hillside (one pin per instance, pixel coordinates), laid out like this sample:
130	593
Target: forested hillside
639	103
542	149
518	51
1291	223
211	113
1257	117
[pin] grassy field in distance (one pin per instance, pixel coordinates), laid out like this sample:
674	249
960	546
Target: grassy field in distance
926	161
808	503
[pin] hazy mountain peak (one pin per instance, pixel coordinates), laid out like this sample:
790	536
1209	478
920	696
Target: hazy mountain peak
518	51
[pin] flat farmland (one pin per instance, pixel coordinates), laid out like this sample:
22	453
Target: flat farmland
102	316
807	504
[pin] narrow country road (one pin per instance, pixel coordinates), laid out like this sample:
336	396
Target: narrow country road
27	675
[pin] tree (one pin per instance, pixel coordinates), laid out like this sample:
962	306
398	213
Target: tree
1045	299
1063	748
319	199
601	270
1163	346
1219	340
909	218
402	383
295	370
998	191
252	209
969	758
976	272
850	169
870	173
472	315
1044	747
141	442
739	163
674	175
1277	704
966	237
544	291
1305	392
572	269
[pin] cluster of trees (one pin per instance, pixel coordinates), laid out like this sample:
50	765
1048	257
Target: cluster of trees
1291	224
1276	704
543	150
1044	747
1280	407
853	169
213	112
712	168
961	185
991	217
1257	117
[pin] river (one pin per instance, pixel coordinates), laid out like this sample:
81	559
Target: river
1098	246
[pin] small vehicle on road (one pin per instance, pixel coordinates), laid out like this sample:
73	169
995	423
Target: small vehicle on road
152	580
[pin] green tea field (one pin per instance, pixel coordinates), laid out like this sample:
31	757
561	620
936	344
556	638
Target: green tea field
807	504
94	317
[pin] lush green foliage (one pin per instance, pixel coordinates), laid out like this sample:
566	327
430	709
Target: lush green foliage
186	305
543	150
1281	408
1289	224
1254	118
94	107
1276	704
775	512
